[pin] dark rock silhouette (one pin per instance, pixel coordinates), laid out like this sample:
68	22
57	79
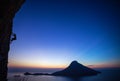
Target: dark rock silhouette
76	70
8	9
27	73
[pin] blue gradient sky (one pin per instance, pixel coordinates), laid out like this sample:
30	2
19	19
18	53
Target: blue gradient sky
52	33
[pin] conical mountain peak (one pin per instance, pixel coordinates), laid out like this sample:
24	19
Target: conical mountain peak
76	69
74	62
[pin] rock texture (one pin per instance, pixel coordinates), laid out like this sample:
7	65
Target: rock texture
76	70
8	9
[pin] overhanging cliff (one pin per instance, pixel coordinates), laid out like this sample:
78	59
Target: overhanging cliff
8	9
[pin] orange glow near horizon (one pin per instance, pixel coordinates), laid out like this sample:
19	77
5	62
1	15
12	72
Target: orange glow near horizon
47	65
35	65
105	66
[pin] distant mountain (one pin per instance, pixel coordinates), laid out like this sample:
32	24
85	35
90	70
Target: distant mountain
76	69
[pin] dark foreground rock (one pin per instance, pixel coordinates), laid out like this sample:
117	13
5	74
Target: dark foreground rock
8	9
76	69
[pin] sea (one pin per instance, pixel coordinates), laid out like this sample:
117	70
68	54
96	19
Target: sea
105	75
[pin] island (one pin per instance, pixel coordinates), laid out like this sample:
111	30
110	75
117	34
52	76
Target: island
75	69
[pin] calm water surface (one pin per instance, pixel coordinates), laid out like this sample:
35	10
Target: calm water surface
106	75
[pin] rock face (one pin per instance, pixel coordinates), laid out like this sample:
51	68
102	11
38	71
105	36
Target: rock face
76	70
8	9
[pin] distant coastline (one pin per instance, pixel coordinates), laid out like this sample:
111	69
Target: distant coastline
75	69
28	73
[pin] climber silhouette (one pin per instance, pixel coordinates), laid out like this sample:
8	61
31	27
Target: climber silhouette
13	37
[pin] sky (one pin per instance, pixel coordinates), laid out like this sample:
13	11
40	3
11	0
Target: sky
52	33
